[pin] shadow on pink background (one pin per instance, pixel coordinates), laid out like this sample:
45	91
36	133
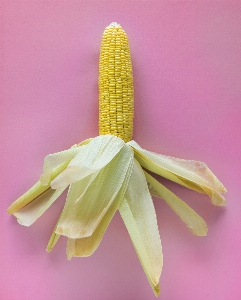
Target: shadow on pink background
187	76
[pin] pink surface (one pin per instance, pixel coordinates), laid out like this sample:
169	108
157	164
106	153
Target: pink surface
187	76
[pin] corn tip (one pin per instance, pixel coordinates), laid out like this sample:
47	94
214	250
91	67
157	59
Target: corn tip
114	24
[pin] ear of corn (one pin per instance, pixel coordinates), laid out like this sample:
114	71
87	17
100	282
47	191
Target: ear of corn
116	93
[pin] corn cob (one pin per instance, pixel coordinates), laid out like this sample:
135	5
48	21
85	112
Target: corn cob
116	93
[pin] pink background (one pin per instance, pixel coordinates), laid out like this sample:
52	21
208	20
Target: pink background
187	76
